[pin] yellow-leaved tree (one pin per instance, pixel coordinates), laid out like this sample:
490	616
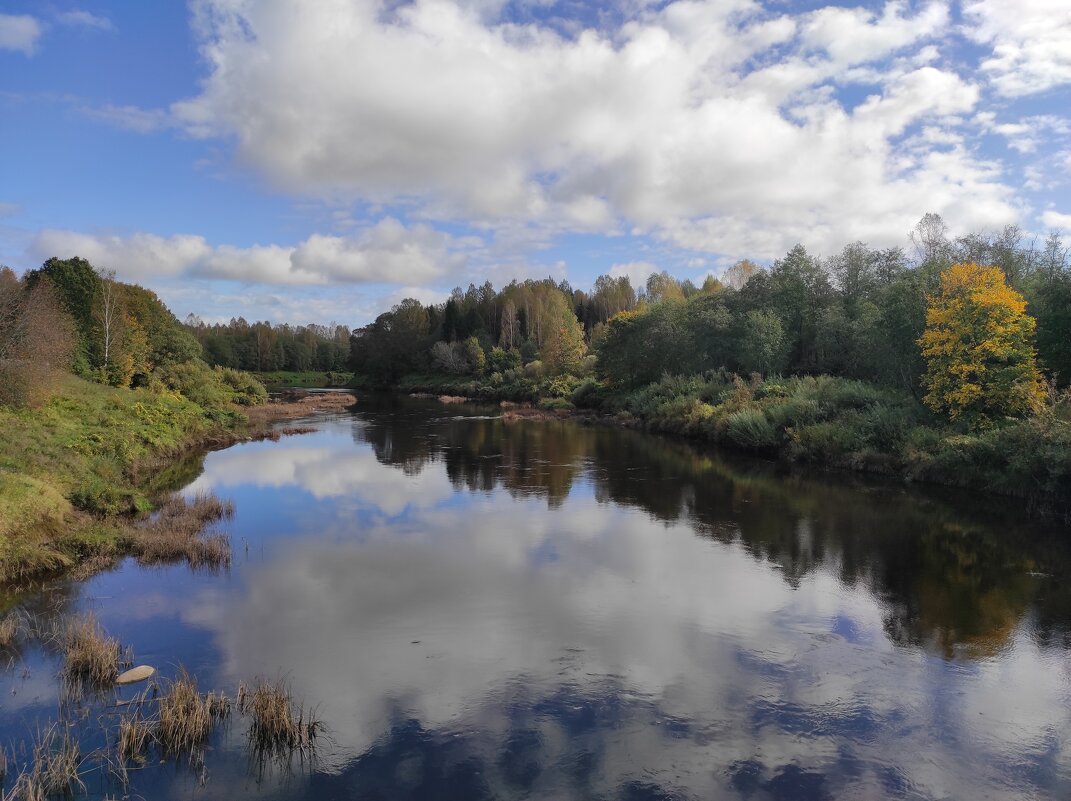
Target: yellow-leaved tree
978	346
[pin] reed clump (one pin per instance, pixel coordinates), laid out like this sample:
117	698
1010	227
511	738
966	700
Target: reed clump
186	717
136	734
89	655
54	770
9	630
176	533
279	724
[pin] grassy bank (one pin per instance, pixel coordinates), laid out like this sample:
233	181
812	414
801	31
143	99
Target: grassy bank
71	471
76	472
824	420
284	379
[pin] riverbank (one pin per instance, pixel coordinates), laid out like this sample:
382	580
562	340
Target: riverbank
827	421
76	473
308	379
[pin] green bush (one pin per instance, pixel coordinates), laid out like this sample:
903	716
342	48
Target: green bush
212	388
749	428
247	390
555	404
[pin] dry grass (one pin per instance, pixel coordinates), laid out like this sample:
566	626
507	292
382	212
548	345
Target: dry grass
279	724
89	655
136	734
176	533
54	770
186	716
9	630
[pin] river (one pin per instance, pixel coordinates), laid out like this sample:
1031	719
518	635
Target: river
485	609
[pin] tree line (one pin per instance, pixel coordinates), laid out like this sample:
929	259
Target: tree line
68	316
263	347
860	313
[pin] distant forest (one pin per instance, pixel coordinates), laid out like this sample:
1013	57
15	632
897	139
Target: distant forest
857	314
263	347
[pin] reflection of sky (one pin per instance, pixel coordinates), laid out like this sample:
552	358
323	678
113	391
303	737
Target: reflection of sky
575	652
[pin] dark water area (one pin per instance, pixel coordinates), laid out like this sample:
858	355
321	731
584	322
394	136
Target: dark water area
482	609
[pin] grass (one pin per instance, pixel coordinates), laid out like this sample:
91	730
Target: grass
89	655
136	734
54	769
186	717
309	379
9	630
279	725
77	471
176	532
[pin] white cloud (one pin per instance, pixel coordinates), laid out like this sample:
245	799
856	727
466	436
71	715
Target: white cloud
19	32
716	119
9	209
857	35
637	272
1031	41
84	19
387	252
1057	220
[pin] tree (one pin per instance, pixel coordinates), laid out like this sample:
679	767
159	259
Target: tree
740	273
978	346
663	286
563	338
762	338
110	317
36	337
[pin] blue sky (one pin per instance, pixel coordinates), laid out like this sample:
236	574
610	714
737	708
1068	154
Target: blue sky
319	160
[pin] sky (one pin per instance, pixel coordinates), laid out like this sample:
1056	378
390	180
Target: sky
319	160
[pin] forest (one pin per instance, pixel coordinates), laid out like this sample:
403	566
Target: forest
947	361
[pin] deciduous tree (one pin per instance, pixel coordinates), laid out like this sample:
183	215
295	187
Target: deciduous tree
978	346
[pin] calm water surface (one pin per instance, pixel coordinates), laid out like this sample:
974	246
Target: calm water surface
482	609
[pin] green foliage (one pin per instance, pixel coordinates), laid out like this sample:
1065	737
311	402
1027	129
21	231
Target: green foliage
749	428
214	389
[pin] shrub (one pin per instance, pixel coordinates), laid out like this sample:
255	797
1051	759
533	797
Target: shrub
749	428
555	404
247	390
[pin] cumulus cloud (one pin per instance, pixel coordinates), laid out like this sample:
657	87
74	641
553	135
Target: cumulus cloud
19	32
1057	220
711	124
387	252
1030	40
636	271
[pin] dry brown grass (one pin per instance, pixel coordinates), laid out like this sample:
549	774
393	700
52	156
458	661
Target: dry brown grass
176	533
9	630
279	724
186	717
89	655
54	770
136	734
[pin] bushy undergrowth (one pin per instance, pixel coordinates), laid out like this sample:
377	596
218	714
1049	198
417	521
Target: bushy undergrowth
827	420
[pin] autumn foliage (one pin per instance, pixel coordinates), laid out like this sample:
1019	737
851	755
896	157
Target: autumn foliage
978	346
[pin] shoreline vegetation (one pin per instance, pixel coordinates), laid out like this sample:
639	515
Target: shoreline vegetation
822	421
106	400
81	474
169	719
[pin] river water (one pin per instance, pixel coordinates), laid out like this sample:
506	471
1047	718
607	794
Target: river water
485	609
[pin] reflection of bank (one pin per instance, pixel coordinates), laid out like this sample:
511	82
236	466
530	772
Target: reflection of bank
955	575
493	639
